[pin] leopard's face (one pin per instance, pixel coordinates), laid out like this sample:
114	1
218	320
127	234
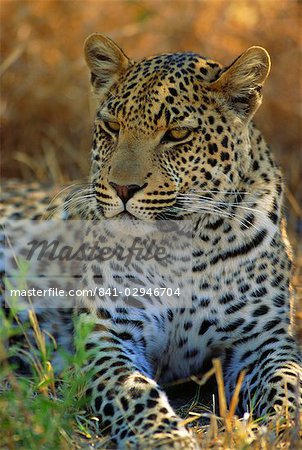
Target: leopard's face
166	130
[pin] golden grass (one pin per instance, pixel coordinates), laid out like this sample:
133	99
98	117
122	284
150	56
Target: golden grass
223	431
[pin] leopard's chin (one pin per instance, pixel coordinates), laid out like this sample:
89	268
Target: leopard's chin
126	215
134	218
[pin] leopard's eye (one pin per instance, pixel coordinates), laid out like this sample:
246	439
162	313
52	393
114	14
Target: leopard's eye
176	134
113	127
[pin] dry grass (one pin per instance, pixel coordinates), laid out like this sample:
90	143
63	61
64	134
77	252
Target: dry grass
221	430
46	119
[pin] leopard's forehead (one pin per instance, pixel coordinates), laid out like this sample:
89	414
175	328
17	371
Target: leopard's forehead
169	79
177	65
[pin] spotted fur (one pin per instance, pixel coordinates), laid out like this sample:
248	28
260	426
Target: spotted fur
174	139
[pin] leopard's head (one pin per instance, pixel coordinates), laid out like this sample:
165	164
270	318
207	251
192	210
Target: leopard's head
169	127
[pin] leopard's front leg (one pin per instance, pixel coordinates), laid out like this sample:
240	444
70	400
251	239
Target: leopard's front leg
129	403
273	381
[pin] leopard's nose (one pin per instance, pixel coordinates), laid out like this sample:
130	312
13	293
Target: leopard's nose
125	192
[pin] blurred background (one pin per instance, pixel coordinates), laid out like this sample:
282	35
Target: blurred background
46	113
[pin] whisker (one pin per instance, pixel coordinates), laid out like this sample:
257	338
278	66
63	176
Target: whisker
216	210
226	204
197	196
230	191
70	186
48	213
76	199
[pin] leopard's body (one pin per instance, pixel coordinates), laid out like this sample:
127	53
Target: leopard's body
174	140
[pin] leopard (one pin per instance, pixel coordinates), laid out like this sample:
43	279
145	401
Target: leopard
175	140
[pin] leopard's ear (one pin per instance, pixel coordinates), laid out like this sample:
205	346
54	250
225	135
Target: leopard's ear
240	84
106	62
